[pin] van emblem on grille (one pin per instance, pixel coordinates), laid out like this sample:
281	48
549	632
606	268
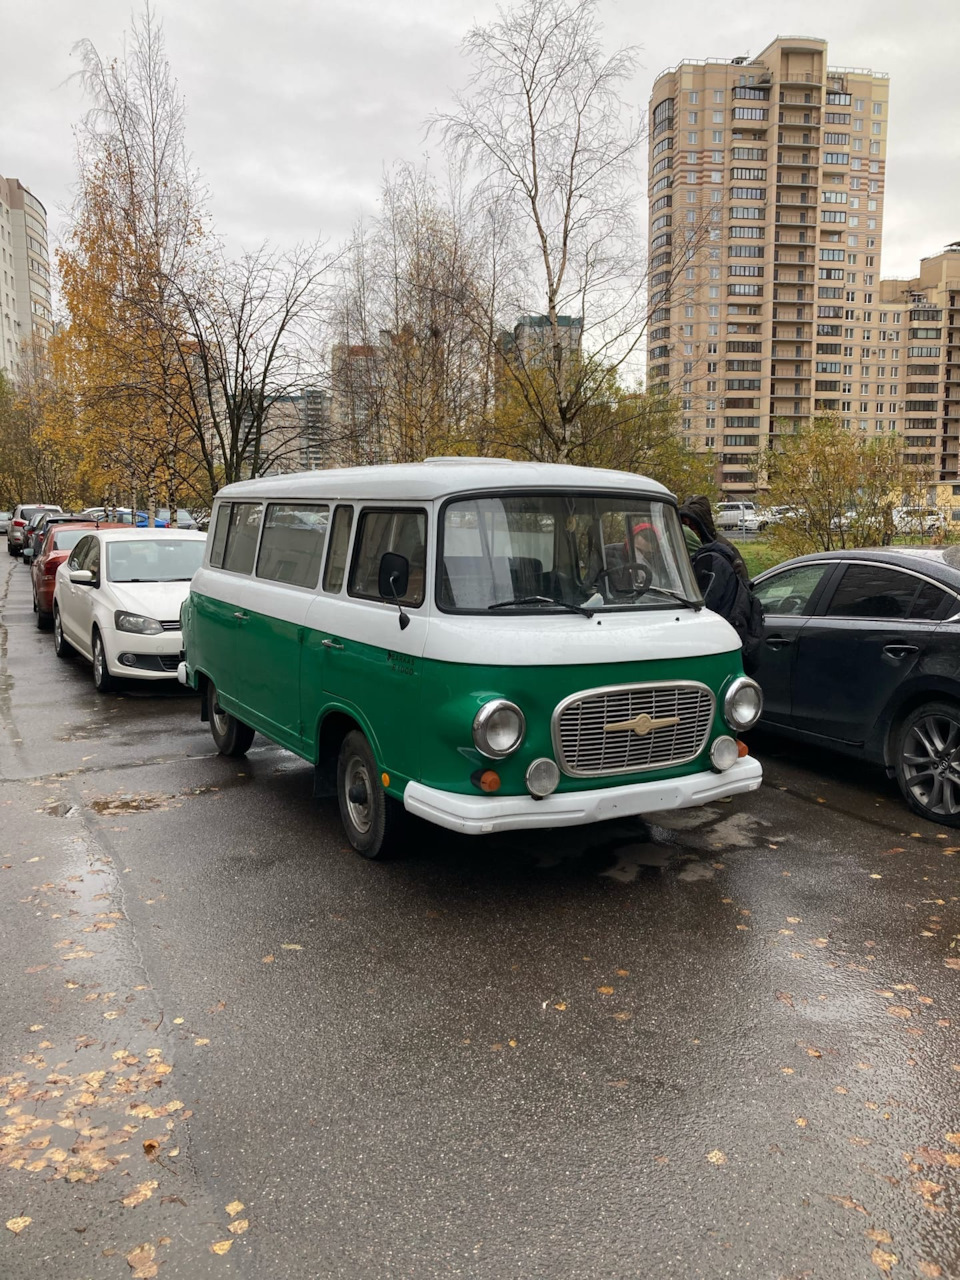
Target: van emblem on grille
642	724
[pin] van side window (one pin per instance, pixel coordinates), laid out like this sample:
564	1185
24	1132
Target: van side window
402	531
242	533
219	540
336	568
291	547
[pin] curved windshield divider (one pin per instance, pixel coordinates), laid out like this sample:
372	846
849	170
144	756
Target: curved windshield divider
576	551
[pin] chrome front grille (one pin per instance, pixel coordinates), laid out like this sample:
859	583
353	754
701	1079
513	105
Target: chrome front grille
171	626
586	749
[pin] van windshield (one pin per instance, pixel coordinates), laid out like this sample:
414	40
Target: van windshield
528	552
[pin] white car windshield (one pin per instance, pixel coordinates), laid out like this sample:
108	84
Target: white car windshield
575	551
154	559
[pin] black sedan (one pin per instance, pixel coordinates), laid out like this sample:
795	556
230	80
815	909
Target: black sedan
861	654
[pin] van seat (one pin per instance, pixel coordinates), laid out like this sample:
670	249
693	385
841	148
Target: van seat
474	582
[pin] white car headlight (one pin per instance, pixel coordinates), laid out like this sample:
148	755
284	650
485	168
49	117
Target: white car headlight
498	728
743	703
137	624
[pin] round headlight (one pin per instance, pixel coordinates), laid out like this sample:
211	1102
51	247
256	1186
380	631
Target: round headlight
498	728
542	778
743	703
724	753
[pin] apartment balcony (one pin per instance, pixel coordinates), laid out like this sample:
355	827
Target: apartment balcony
793	160
795	219
797	121
795	178
802	77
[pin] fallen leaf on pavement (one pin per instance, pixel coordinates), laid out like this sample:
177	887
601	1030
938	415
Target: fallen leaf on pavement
16	1225
801	1122
141	1261
883	1260
221	1246
954	1138
140	1193
290	946
239	1226
605	991
847	1202
266	960
233	1208
927	1189
899	1011
623	1017
881	1237
785	998
929	1269
716	1157
952	963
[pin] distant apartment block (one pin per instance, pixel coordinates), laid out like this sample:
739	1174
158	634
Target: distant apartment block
25	302
922	315
766	184
536	344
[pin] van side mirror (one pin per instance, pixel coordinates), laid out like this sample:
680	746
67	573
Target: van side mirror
392	581
82	577
394	576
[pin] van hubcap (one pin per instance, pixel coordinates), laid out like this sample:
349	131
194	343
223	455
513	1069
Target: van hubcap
356	784
219	717
931	764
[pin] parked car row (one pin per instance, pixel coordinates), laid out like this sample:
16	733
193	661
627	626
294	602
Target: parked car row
111	592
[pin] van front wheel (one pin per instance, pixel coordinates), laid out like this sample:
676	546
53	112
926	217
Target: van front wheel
232	736
371	818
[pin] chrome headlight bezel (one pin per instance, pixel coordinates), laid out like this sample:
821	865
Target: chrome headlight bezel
482	727
740	722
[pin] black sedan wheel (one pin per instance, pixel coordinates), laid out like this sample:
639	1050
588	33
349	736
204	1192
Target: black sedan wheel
928	761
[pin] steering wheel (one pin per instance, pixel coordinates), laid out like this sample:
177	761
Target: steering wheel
638	577
789	604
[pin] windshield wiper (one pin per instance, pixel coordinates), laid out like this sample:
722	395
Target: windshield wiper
558	604
675	595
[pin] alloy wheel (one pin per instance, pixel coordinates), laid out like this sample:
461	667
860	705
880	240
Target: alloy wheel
931	763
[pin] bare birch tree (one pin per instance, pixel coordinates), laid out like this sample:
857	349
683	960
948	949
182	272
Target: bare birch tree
545	124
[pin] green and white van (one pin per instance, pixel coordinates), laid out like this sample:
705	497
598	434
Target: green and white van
489	645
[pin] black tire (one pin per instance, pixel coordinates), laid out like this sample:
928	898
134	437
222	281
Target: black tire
372	820
232	736
928	761
44	620
61	645
103	681
36	607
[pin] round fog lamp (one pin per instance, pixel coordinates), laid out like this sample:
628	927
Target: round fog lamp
724	753
128	659
542	778
743	703
498	728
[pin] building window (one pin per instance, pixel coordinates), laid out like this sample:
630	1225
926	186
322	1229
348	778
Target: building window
693	97
717	135
878	108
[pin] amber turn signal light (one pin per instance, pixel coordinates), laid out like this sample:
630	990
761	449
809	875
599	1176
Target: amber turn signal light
742	749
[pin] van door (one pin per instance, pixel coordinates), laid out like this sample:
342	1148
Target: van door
222	606
271	637
370	665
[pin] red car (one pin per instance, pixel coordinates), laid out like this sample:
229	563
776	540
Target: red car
59	541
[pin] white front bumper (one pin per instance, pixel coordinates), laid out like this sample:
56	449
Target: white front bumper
482	815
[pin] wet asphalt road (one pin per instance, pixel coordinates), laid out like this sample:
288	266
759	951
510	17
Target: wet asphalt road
723	1045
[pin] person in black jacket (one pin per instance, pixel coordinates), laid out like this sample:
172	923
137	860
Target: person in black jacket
723	579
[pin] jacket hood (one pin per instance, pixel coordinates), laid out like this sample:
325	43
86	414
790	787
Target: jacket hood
698	512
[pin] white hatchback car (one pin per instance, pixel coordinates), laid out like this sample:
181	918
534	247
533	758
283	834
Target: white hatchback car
117	601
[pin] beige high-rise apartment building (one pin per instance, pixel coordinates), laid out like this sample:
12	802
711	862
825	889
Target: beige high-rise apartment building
25	300
766	183
924	311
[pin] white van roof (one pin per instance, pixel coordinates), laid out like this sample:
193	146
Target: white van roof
437	478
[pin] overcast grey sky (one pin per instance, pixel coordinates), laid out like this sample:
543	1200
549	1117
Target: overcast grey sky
296	106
